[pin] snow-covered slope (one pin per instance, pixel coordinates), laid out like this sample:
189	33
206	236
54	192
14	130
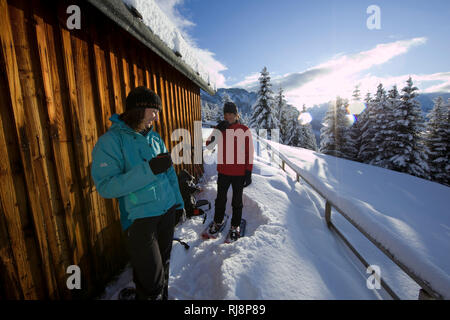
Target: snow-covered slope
407	215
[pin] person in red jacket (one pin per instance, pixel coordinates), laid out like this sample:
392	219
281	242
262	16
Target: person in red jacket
234	167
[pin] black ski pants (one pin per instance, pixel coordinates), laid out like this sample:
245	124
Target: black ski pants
223	183
149	243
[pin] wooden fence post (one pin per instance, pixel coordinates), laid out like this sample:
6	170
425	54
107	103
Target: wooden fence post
328	213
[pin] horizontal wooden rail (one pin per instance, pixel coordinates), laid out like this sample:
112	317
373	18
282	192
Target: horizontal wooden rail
426	292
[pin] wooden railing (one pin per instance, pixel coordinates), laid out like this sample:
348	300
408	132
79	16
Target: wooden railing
426	292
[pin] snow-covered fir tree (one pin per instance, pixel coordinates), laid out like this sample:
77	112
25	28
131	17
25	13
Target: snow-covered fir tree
308	137
356	96
263	114
437	140
367	148
280	104
382	134
334	133
206	111
282	115
294	133
310	141
226	98
407	126
385	129
354	132
217	113
245	119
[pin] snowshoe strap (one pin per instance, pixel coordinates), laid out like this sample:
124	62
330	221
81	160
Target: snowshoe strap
185	245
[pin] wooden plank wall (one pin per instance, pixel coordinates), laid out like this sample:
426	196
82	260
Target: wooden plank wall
58	88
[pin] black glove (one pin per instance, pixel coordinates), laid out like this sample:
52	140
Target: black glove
223	125
161	163
247	178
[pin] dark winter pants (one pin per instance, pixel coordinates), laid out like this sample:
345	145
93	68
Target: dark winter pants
223	183
149	242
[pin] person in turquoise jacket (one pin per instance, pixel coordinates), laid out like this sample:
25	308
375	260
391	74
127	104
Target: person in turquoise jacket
130	162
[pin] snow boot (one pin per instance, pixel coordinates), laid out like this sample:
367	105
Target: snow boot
214	229
236	232
233	234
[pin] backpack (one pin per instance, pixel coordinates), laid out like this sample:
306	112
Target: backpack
189	189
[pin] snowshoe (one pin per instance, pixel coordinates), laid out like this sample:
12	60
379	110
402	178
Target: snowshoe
213	230
237	232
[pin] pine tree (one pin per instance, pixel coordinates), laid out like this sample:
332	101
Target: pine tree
263	116
356	94
245	119
334	134
354	132
367	149
348	148
298	135
309	139
217	114
207	111
280	104
282	110
437	140
294	131
385	130
383	116
226	98
410	156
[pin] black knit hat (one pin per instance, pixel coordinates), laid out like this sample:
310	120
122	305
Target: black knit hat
142	97
230	107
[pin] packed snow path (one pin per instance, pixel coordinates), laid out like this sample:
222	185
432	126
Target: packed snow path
287	253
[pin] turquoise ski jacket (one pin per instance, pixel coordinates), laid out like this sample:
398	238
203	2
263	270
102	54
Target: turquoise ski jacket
120	169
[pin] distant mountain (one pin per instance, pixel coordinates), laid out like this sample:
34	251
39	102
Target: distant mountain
245	99
241	97
426	100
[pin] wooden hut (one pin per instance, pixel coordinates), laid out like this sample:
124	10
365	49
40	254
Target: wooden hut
58	88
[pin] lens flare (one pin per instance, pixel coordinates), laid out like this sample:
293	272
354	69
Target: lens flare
356	107
351	119
304	118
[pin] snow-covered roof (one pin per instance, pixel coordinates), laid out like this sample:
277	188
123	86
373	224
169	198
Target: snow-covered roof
157	33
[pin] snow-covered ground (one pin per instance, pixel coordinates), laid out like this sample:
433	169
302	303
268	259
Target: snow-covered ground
288	251
409	216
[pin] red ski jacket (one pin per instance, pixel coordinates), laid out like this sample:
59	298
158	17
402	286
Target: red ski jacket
242	159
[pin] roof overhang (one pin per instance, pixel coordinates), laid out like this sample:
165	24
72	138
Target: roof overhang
118	12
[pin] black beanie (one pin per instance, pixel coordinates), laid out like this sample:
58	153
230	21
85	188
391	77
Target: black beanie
229	107
142	97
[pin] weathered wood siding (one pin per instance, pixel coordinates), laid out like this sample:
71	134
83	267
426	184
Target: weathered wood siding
58	88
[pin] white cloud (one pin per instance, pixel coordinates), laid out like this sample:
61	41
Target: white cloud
339	75
212	67
368	82
249	81
164	19
169	7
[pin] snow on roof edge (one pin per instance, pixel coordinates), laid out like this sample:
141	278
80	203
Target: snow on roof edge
118	12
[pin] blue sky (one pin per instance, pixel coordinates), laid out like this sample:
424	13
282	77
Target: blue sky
299	40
